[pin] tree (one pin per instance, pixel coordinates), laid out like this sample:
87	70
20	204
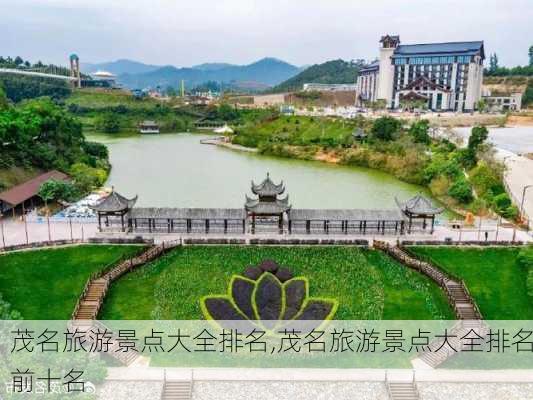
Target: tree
3	99
385	128
87	178
481	105
57	190
18	61
493	63
461	191
109	123
531	56
419	131
478	136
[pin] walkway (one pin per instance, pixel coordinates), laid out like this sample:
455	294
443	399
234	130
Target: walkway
463	304
93	295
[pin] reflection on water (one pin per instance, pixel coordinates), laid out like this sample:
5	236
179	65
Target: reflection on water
175	170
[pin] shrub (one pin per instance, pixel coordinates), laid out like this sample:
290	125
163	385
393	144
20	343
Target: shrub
419	131
461	191
502	202
440	185
385	128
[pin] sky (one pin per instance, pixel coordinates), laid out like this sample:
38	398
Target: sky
302	32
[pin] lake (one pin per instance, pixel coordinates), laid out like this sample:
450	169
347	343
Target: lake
175	170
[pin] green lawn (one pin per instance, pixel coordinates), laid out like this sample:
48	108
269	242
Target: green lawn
367	284
492	276
45	284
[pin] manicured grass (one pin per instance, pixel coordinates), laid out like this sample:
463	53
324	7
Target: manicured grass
492	276
45	284
367	284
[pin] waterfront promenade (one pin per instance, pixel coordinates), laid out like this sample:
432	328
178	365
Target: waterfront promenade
14	233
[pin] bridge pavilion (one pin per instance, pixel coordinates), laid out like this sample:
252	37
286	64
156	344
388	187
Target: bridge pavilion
419	208
268	204
113	207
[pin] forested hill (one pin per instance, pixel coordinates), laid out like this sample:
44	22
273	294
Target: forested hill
335	71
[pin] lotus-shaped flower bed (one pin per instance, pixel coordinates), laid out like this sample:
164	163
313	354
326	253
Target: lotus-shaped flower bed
269	297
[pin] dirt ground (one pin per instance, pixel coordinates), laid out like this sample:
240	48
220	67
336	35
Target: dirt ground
520	120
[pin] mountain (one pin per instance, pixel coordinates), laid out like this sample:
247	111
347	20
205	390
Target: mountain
265	72
212	66
335	71
119	67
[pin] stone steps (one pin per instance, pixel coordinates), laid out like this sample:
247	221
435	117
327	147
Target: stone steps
177	390
402	391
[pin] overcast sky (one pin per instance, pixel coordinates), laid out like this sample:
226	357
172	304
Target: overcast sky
188	32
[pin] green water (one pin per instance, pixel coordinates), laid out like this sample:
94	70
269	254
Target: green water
175	170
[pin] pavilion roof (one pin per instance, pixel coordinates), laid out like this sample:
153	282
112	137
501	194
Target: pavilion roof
268	188
419	205
114	202
259	207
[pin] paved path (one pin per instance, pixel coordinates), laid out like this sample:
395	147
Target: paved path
14	231
519	173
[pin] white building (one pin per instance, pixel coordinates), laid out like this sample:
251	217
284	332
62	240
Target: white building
446	76
503	102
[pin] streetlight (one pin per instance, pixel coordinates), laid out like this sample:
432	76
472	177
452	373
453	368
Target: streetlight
522	203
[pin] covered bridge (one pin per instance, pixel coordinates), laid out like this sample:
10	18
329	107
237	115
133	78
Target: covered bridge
187	220
346	221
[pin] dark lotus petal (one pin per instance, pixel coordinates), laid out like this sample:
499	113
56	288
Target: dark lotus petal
267	299
316	309
269	266
241	292
253	272
221	308
284	274
295	293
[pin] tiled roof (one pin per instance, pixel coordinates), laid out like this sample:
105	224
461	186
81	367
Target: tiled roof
345	215
268	188
419	205
29	189
114	202
188	213
257	206
467	48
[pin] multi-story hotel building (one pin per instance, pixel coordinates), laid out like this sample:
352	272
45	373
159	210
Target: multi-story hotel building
448	76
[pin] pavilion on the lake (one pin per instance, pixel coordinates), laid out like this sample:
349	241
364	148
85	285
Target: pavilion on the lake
268	204
112	208
419	208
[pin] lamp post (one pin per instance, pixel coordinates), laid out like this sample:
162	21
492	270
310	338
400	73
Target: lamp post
522	202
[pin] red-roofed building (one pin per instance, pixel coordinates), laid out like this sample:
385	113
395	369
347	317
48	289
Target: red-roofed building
27	191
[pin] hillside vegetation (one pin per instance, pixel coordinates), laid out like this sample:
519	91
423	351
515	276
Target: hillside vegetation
406	151
38	135
113	111
336	71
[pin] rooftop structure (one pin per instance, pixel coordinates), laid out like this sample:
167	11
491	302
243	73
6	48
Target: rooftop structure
148	127
114	205
19	194
419	207
452	74
267	204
